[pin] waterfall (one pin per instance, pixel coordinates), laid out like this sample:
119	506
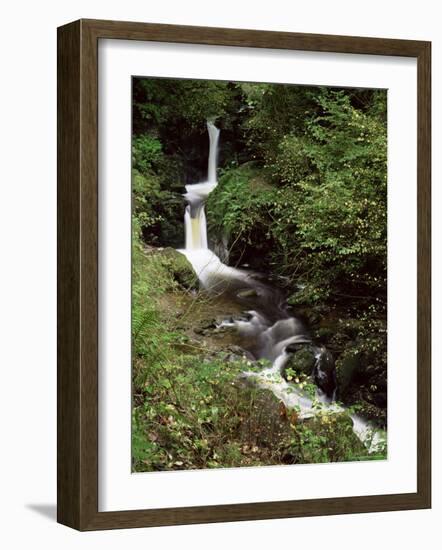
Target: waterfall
195	217
209	268
213	152
195	228
271	329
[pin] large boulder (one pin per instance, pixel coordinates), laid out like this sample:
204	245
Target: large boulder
325	371
302	359
314	362
179	267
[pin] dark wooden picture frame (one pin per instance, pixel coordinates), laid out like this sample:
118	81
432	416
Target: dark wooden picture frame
78	274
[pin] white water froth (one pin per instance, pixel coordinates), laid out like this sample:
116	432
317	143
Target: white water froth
209	268
306	407
207	265
272	339
213	152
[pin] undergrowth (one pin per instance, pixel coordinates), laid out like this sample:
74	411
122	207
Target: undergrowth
191	407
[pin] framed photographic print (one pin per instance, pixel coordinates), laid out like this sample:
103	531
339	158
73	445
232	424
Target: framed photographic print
243	275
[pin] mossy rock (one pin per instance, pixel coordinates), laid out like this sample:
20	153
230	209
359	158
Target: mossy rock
179	267
302	361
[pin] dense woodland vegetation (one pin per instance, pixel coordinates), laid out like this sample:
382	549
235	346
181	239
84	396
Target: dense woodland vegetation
302	199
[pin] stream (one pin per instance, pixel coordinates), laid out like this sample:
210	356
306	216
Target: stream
267	329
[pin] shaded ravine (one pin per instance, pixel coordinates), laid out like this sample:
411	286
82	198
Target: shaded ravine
267	330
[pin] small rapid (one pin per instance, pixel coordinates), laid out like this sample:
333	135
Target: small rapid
268	332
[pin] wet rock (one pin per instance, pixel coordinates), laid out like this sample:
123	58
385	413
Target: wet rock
315	362
325	361
302	359
233	353
232	357
313	315
325	371
244	316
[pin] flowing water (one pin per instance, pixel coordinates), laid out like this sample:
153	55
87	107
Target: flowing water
267	329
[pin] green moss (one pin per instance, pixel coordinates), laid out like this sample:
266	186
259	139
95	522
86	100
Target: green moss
309	210
191	408
178	268
302	361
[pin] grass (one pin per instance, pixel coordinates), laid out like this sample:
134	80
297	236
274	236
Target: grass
191	409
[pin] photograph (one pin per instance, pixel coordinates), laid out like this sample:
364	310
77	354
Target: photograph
243	274
259	274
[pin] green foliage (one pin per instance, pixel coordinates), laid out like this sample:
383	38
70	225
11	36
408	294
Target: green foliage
274	112
239	209
188	413
146	153
327	438
145	189
301	381
157	204
341	211
302	197
312	209
158	101
189	408
291	164
316	192
322	211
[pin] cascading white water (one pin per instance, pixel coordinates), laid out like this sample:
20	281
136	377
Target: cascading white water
196	232
272	338
195	217
207	265
213	152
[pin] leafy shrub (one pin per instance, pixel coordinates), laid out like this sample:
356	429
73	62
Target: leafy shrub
327	438
146	153
302	196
